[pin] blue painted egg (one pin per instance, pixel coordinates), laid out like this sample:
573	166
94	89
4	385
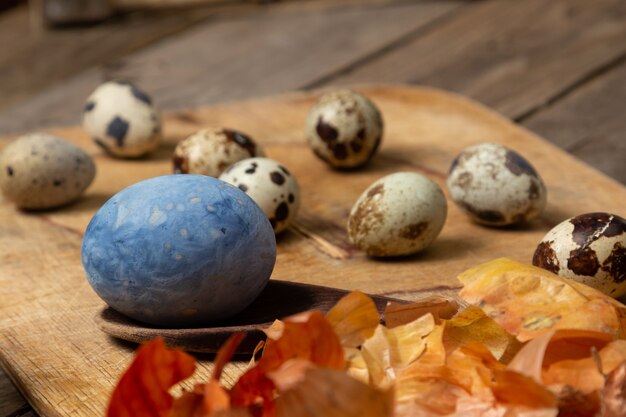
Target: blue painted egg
179	250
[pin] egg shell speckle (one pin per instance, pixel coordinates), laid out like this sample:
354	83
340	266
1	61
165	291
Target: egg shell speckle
344	129
39	171
210	151
272	186
590	248
399	214
122	120
179	250
495	185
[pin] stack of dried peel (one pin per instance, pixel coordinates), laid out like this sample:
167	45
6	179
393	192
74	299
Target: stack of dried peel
532	344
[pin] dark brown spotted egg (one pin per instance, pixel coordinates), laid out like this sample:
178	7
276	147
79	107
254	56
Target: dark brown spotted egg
590	248
495	185
210	151
122	120
397	215
272	186
344	129
39	171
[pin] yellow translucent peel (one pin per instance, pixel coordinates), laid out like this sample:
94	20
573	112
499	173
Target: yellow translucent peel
528	301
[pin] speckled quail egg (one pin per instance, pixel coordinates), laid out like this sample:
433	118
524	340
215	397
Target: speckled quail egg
122	120
39	171
273	187
179	250
495	185
210	151
590	248
399	214
344	129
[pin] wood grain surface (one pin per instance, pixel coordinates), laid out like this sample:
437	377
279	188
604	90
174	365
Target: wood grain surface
513	56
34	58
41	59
590	123
65	366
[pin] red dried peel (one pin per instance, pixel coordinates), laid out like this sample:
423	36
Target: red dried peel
143	389
307	337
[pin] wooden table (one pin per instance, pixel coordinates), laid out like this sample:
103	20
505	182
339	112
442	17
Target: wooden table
558	68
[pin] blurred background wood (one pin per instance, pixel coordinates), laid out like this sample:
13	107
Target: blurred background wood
64	12
557	67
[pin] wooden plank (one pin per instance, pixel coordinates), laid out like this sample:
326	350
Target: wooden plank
11	402
255	54
33	58
288	50
511	55
590	123
48	341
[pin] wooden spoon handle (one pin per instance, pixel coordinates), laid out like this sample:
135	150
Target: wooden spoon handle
279	299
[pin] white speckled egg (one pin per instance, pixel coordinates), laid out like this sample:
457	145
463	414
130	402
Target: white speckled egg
122	120
210	151
590	248
399	214
270	185
39	171
495	185
344	129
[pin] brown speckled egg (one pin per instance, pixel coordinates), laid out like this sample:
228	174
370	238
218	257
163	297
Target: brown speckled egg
495	185
272	186
590	248
344	129
210	151
397	215
39	171
122	119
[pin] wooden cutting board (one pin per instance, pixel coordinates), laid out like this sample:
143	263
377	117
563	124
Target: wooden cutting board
65	366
